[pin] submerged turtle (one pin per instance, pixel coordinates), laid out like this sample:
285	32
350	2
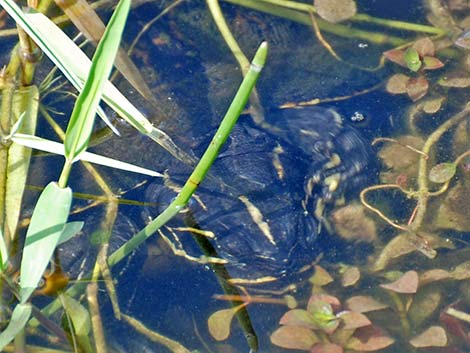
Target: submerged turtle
264	201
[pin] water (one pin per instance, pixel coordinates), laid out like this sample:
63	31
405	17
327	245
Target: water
194	76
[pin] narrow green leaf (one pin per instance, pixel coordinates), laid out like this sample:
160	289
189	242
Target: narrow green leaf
44	232
18	321
81	321
3	253
25	104
81	122
70	230
58	148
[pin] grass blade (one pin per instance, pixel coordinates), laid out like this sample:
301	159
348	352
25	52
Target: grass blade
44	232
18	321
82	120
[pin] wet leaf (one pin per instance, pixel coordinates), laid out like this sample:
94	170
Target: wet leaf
412	60
397	84
292	337
298	317
399	159
323	315
432	63
424	47
442	172
364	304
396	56
353	320
433	276
456	79
321	277
433	105
462	271
463	40
435	336
454	212
219	322
335	10
417	88
408	283
369	339
326	348
324	298
350	276
351	223
425	304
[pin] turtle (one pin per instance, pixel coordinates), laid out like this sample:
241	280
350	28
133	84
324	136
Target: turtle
265	201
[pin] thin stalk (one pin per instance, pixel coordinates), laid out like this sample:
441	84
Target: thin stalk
194	180
423	188
243	62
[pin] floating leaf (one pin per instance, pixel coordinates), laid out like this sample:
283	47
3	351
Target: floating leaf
433	276
462	271
323	315
369	339
327	348
352	223
324	298
435	336
353	320
335	10
460	80
292	337
417	88
364	304
454	212
220	321
431	106
397	84
425	303
442	172
350	276
463	40
321	277
432	63
396	56
408	283
412	60
424	47
298	317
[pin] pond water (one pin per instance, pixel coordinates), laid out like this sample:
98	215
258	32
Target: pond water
193	76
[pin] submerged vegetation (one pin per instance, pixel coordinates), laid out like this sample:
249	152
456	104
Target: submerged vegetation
393	272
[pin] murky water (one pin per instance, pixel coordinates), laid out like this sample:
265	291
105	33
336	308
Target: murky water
194	76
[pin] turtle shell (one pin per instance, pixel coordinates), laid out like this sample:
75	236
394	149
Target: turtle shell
260	202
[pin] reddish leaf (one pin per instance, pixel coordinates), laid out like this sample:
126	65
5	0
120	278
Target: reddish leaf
350	276
298	317
408	283
433	275
333	301
432	63
327	348
424	47
369	339
219	322
335	10
364	304
397	56
435	336
397	84
417	88
353	320
454	326
321	277
292	337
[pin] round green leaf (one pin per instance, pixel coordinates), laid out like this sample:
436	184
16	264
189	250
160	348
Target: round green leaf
442	172
412	59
